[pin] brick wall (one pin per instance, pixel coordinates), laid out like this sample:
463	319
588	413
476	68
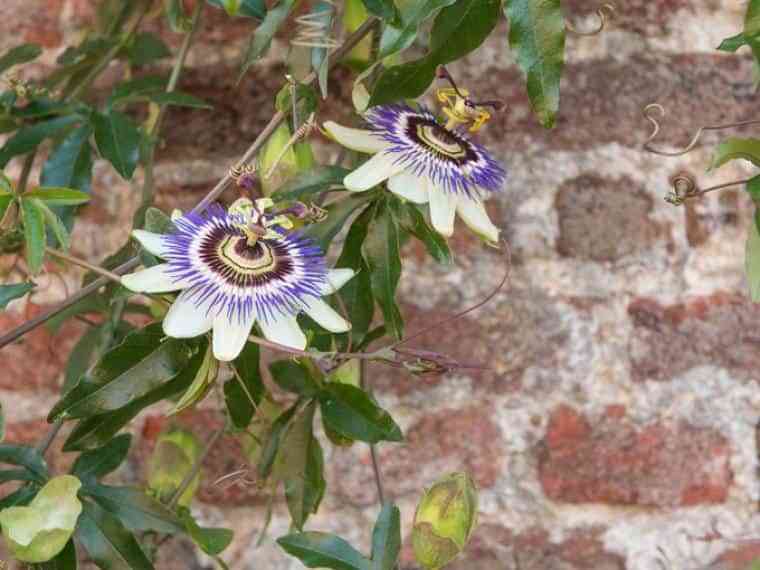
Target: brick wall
615	425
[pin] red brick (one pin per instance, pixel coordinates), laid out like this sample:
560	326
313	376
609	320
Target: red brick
716	330
36	361
449	440
618	463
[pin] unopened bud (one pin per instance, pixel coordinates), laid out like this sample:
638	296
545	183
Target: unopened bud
444	521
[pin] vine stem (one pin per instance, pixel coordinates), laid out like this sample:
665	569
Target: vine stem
148	184
84	264
195	468
274	122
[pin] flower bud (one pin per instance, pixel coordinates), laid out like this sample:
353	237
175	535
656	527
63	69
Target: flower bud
444	521
176	451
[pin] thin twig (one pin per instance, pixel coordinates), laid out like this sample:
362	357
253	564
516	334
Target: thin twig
491	295
195	468
367	386
275	122
148	184
82	263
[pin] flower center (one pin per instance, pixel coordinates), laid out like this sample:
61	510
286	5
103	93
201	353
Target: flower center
247	258
228	253
438	140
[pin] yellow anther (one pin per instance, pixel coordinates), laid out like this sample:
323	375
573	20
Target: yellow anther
460	110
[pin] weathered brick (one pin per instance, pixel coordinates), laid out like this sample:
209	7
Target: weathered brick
718	330
603	219
615	462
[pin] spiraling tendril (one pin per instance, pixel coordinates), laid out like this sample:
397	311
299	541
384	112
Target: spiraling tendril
685	187
314	29
653	109
605	12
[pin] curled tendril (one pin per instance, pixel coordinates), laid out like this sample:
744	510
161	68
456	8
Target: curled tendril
604	12
650	114
685	187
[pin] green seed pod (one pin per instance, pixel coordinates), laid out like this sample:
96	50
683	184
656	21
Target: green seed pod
445	518
172	459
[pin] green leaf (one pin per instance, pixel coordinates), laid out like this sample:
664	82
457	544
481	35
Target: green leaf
434	243
313	181
357	293
172	460
383	9
26	457
135	509
212	541
39	531
10	292
300	466
272	446
70	163
381	250
54	223
262	36
58	196
293	377
349	411
96	463
248	8
337	215
406	81
734	148
141	364
413	13
81	356
734	43
537	35
29	137
231	7
66	559
752	18
99	429
320	549
21	496
137	88
147	48
460	28
23	53
34	234
118	141
108	543
457	30
179	99
752	260
386	538
237	396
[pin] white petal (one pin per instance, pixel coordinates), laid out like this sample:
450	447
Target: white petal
186	319
474	214
409	186
356	139
154	279
284	330
372	172
326	316
442	208
336	278
230	336
154	243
